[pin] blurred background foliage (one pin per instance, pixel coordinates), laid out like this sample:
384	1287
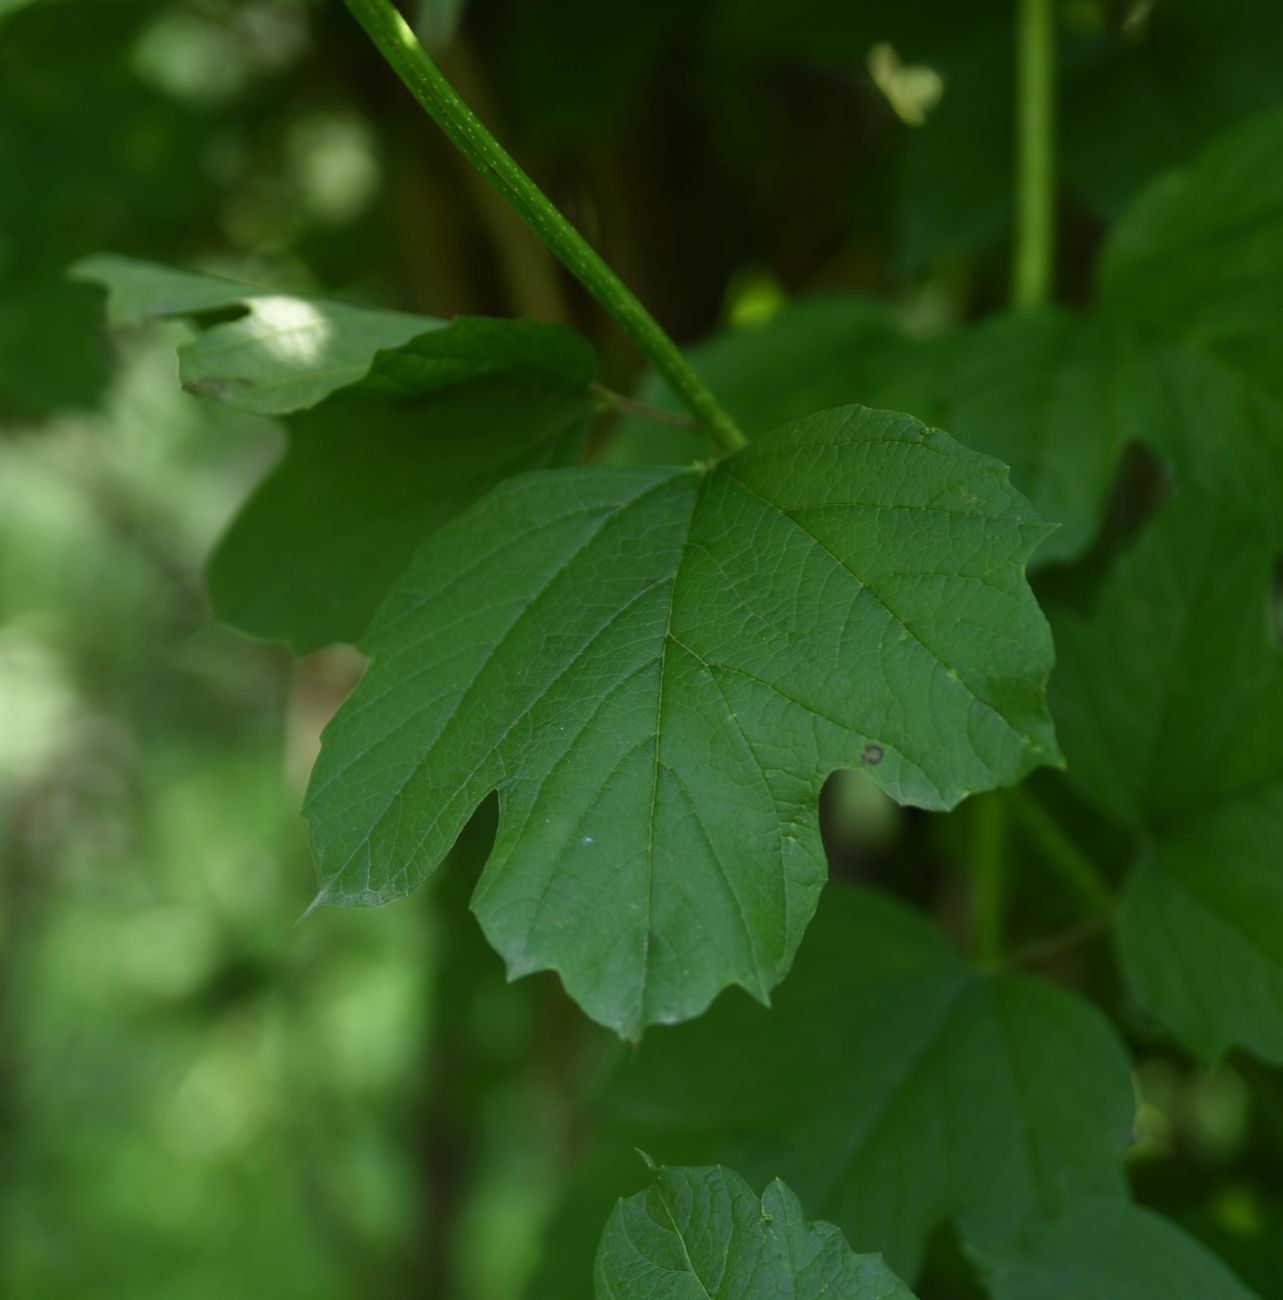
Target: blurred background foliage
197	1099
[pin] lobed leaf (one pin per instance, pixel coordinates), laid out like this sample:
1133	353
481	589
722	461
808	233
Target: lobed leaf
657	669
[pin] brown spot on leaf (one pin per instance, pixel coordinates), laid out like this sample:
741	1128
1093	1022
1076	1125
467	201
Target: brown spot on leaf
874	754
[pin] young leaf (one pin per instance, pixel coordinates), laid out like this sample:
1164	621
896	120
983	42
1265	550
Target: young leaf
430	416
1198	253
1111	1250
695	1234
1170	699
657	669
886	1062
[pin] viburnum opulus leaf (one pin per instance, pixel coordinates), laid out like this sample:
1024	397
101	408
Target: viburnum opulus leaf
657	669
695	1234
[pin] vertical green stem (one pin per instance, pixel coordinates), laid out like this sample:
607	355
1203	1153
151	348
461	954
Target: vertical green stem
1061	853
401	48
1034	252
988	852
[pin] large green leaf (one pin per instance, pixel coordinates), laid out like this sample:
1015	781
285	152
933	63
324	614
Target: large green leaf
1169	697
1106	1251
695	1234
657	669
407	421
1199	253
894	1087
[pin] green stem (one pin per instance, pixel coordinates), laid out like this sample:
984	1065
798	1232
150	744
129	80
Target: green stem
989	877
1074	866
1033	257
401	48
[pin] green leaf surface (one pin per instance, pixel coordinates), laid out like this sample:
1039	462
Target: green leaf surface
695	1234
1198	253
1106	1251
894	1087
432	415
657	669
1169	696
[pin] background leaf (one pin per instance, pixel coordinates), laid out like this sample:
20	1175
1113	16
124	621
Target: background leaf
1169	694
1198	253
886	1062
1111	1251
